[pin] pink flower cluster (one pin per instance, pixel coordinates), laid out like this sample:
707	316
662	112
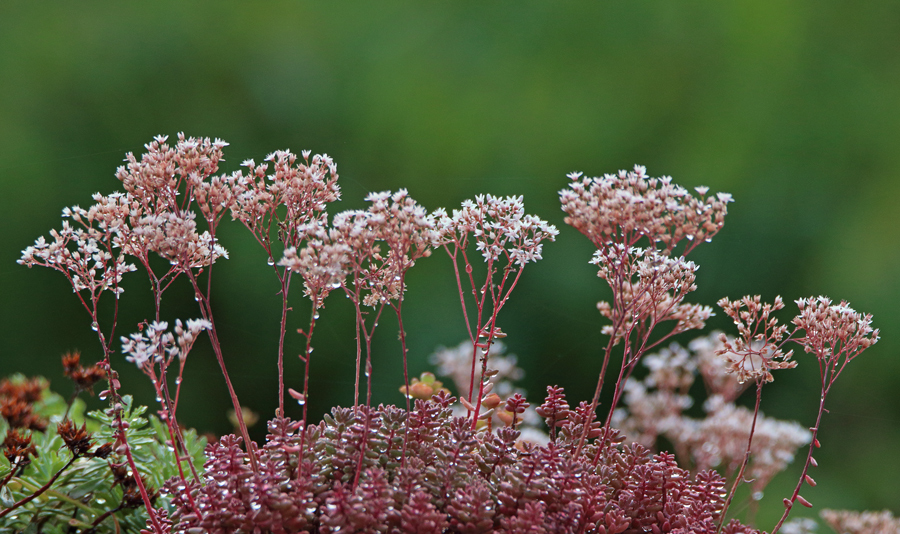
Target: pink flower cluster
625	207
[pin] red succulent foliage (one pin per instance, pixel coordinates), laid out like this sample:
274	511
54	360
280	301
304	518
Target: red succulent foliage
322	480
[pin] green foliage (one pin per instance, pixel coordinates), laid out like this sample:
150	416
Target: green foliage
85	494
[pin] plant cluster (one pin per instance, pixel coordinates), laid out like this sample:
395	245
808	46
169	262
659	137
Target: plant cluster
437	464
59	476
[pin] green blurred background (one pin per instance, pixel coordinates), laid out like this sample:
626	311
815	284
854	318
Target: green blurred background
793	107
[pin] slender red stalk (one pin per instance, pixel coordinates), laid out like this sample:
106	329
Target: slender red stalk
206	312
740	476
40	491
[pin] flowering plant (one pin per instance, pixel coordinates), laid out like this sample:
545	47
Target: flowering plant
474	464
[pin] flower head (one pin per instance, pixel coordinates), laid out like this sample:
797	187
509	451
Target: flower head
756	352
499	227
833	331
625	207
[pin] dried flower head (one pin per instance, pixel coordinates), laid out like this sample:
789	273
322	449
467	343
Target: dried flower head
408	232
84	378
385	241
156	181
77	440
17	398
714	368
17	446
160	189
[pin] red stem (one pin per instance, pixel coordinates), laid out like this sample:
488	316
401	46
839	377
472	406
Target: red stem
206	312
740	475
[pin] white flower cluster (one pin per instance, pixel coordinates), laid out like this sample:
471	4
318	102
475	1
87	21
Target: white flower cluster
393	221
721	439
851	522
156	344
499	227
655	407
303	188
456	362
160	187
650	287
322	262
833	331
85	254
626	207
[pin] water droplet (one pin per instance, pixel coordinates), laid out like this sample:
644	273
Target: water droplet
336	285
469	269
178	381
757	495
103	394
95	326
689	237
158	398
316	316
100	501
708	240
270	262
